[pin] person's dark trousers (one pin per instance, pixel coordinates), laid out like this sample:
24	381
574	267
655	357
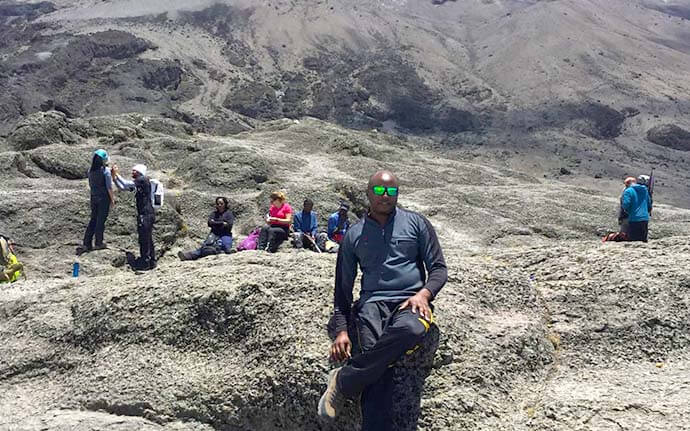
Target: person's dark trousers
100	207
271	237
638	230
226	246
147	252
377	404
384	334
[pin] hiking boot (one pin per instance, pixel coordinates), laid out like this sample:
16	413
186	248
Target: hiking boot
182	255
332	399
83	249
100	246
131	261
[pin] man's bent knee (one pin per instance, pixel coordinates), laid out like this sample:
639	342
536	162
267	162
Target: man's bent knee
416	326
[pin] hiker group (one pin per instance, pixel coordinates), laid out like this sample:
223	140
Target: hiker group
282	223
148	195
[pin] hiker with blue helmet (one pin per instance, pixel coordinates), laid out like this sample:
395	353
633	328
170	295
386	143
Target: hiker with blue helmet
637	203
102	198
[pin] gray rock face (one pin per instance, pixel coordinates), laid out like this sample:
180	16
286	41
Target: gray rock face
64	161
539	327
671	136
42	128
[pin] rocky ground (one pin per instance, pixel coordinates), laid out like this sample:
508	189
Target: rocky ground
510	124
541	325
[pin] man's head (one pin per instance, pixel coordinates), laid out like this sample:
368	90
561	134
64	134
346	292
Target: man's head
643	179
629	181
343	209
308	205
382	192
221	204
138	171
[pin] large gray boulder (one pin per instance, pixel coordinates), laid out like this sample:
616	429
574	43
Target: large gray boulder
40	129
64	161
671	136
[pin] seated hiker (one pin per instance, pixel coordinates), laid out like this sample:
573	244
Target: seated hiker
637	204
306	228
219	240
622	214
12	269
146	216
277	228
338	223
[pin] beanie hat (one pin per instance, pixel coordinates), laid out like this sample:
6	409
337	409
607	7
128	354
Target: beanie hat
140	168
629	180
643	179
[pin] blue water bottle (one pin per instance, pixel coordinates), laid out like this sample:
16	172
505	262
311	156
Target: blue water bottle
75	268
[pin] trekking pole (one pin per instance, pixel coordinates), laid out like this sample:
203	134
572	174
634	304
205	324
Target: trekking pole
318	250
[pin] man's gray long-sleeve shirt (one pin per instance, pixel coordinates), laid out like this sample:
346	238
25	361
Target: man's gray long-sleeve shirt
394	260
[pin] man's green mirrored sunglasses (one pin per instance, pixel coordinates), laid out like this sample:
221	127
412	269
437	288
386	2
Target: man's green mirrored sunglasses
380	190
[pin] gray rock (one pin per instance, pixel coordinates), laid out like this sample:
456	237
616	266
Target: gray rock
64	161
40	129
671	136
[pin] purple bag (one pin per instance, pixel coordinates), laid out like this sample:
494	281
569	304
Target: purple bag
250	242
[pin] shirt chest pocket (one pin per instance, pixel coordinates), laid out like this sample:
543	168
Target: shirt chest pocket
404	248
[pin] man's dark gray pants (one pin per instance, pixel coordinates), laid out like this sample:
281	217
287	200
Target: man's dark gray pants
147	252
383	334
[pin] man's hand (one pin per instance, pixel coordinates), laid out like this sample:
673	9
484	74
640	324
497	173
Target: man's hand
341	348
420	301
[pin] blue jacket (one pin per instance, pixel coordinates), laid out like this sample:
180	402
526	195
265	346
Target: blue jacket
333	221
637	203
305	224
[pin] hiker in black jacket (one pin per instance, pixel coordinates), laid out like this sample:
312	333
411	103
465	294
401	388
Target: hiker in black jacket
219	240
146	215
403	270
101	187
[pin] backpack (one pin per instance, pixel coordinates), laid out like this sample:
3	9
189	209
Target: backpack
250	242
157	193
615	237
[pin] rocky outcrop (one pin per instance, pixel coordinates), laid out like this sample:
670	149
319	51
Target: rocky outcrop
671	136
42	128
535	327
64	161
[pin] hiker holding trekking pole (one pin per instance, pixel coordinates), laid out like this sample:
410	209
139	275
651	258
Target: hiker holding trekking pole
306	229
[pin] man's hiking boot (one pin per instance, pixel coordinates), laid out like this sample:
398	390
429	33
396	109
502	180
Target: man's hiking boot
184	255
100	246
332	399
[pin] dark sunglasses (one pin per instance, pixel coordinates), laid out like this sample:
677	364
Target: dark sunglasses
380	190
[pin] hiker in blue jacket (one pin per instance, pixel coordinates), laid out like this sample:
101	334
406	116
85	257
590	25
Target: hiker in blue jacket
306	227
338	223
638	204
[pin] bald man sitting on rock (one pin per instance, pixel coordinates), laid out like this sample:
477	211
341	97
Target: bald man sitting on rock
395	249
